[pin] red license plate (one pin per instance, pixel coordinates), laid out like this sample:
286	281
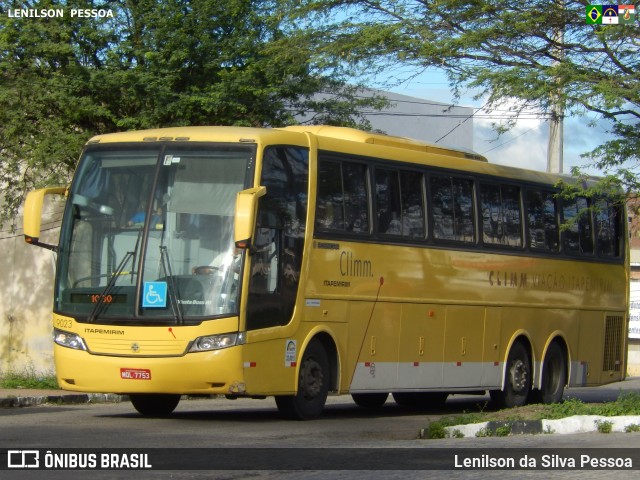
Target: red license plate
135	374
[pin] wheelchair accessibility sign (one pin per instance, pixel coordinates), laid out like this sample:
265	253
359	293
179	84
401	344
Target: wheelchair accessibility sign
154	295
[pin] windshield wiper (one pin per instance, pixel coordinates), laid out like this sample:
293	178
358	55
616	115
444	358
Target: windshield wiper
114	278
107	290
173	291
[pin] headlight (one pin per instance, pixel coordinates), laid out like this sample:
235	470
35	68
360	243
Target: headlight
69	340
217	342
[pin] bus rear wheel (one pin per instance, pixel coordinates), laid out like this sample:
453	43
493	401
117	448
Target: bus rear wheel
554	375
517	384
154	404
313	386
369	400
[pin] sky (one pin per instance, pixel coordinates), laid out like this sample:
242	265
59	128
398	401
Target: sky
524	146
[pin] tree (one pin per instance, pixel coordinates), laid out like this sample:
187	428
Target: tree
153	63
504	50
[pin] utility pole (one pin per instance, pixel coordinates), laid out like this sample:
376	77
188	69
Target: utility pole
556	129
556	135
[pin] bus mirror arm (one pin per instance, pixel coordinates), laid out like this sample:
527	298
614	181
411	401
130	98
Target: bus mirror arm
245	218
33	215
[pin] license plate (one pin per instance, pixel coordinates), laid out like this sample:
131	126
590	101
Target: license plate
135	374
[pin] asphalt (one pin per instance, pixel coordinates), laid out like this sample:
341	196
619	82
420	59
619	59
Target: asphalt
16	398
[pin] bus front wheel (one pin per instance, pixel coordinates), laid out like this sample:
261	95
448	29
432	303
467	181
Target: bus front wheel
154	404
517	384
313	386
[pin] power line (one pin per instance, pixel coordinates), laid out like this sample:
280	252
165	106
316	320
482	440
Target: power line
510	140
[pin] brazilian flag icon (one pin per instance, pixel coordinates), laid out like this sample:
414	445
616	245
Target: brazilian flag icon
594	15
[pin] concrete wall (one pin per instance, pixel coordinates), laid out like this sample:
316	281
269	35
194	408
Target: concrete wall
26	297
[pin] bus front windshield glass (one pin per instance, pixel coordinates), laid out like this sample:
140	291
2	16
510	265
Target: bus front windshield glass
148	234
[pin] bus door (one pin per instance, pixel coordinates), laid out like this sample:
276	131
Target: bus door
275	262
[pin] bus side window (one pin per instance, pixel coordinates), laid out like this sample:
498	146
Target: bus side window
399	203
412	198
356	198
452	208
608	231
388	202
330	210
542	216
578	236
343	198
501	215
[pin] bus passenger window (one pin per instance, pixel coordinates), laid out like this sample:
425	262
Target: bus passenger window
412	193
399	199
356	198
343	199
543	221
607	218
501	215
330	212
578	238
388	202
452	209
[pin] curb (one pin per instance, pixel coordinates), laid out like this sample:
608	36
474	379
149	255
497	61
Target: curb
68	399
563	426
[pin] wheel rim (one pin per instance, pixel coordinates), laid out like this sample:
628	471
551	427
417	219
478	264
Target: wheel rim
519	376
311	379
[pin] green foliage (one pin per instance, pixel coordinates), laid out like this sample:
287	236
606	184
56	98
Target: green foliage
463	419
157	63
28	378
627	403
436	430
604	426
533	56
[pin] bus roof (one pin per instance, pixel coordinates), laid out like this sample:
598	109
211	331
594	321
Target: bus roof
340	138
246	133
354	135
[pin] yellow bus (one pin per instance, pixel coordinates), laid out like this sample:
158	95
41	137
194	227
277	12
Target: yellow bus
303	261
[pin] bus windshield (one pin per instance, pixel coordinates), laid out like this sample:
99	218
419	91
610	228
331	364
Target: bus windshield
150	233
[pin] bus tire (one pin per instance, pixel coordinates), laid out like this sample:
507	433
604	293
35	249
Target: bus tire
370	400
314	379
554	375
517	384
420	399
154	404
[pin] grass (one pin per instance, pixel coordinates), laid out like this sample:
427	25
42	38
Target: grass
28	378
627	403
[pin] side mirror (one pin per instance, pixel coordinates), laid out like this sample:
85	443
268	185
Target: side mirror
245	219
33	215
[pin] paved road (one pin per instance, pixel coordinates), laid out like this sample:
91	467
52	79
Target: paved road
213	424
